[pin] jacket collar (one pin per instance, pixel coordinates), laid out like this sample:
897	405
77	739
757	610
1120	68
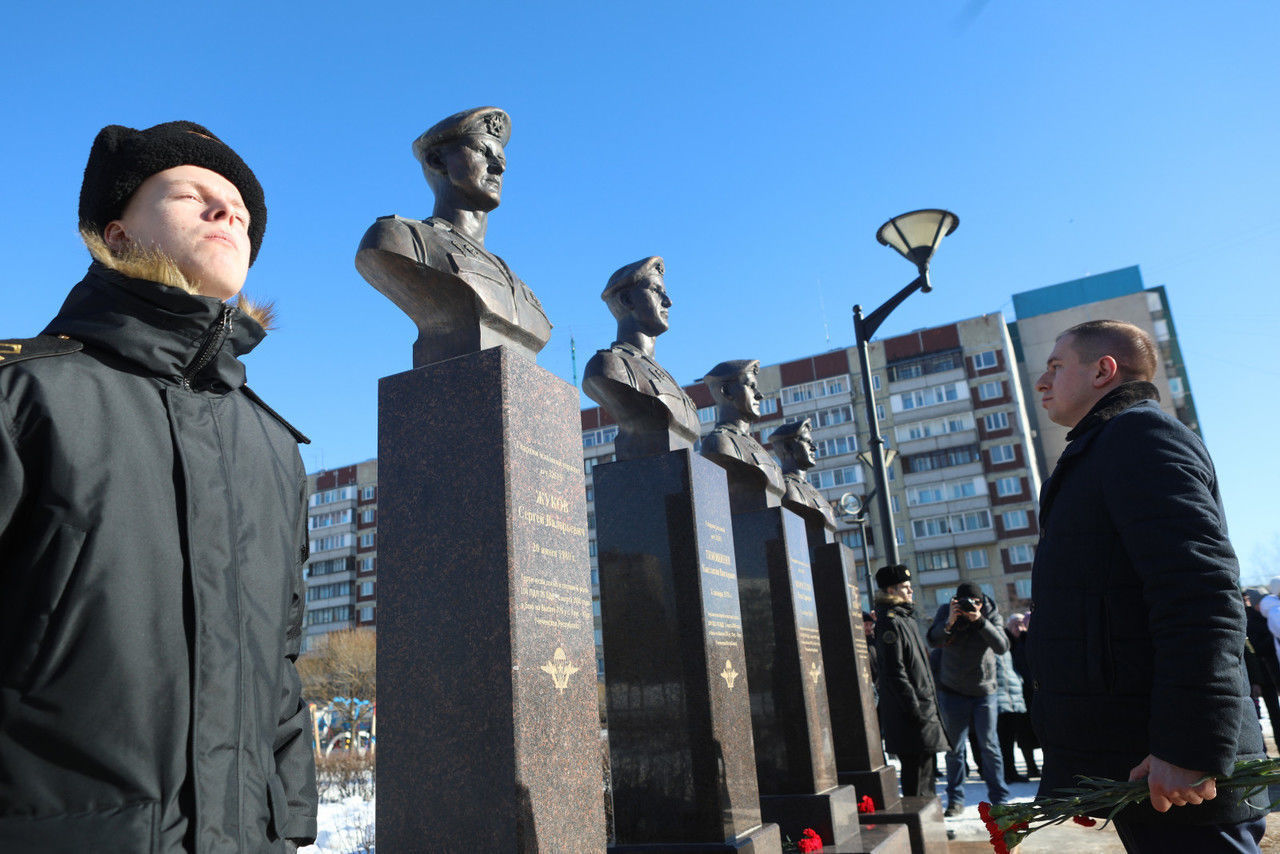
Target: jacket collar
161	329
1114	402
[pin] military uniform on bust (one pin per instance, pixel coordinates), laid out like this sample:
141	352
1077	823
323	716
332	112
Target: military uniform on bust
654	414
462	297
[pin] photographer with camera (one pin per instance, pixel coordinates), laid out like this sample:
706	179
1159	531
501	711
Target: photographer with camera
968	630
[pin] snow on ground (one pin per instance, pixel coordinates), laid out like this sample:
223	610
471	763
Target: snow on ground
345	827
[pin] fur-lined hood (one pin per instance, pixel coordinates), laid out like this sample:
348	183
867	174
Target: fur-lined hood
152	266
1113	403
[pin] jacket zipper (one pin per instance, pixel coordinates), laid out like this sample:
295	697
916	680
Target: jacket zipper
214	338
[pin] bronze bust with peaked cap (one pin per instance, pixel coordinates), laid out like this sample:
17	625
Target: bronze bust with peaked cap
734	386
654	414
462	297
793	446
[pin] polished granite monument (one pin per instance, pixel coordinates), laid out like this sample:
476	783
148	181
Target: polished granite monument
794	743
679	716
490	734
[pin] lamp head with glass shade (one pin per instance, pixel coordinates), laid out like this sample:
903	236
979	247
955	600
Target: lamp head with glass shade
915	236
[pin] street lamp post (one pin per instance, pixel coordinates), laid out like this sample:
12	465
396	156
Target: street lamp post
915	236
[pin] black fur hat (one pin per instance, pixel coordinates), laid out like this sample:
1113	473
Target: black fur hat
122	158
894	573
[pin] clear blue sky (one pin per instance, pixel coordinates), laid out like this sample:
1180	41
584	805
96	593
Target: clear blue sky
757	147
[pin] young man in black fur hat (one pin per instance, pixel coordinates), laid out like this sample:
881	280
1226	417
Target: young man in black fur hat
152	532
908	702
1137	643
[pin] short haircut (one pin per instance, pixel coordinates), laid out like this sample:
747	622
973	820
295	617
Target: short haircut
1129	345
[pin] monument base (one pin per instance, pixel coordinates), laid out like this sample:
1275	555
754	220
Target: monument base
884	839
833	814
922	818
491	725
881	784
765	839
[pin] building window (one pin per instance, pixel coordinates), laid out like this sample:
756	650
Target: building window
1023	588
367	516
835	446
984	360
336	541
935	427
366	614
366	540
1175	386
942	559
368	492
893	500
768	406
975	559
990	390
329	591
943	458
1002	454
836	477
366	588
1007	487
900	534
604	436
1021	554
591	548
936	526
996	421
1015	520
832	417
367	564
875	382
336	614
922	397
707	414
852	539
346	493
953	490
328	567
919	366
591	493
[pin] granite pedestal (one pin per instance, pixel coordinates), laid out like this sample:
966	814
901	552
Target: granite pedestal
679	716
489	722
922	818
854	723
795	759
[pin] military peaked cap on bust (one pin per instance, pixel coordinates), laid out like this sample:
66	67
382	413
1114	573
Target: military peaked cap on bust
122	158
894	573
639	272
480	121
731	370
790	431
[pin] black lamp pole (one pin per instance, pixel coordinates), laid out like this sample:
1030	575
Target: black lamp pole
915	236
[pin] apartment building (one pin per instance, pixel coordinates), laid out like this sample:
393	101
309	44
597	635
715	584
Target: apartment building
1042	314
341	575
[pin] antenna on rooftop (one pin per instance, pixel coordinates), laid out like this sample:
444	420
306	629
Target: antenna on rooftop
573	358
822	303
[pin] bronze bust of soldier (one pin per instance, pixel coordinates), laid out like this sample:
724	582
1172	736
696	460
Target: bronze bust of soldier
794	447
654	414
755	479
462	297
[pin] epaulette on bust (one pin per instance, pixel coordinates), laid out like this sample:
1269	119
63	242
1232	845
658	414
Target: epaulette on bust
14	350
297	434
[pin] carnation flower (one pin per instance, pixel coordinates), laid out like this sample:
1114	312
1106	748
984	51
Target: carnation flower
1009	824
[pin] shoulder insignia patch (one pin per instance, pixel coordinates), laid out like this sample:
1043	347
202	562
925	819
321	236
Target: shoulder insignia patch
889	638
14	350
297	434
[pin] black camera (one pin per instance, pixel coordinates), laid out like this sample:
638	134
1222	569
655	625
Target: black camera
968	605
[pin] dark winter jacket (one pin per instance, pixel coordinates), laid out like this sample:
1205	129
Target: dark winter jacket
969	650
152	532
909	718
1137	639
1009	699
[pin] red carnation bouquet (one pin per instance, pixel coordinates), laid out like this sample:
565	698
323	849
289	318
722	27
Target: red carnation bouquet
809	841
1009	824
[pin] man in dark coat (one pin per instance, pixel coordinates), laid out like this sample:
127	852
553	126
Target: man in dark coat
152	533
1267	677
908	703
968	632
1137	642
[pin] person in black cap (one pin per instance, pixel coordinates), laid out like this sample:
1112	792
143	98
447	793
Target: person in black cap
969	631
153	531
909	718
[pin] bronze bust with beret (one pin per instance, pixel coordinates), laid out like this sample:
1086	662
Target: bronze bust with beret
755	478
653	413
794	447
462	297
